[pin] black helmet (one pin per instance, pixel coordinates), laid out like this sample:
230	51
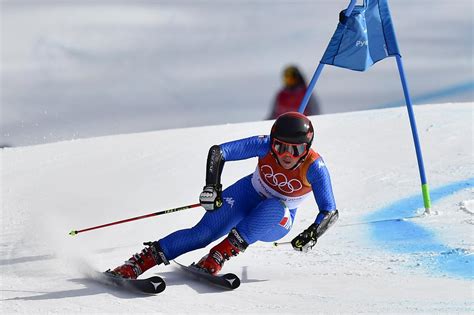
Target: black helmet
293	127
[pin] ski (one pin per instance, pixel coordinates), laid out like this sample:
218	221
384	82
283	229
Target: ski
227	281
152	285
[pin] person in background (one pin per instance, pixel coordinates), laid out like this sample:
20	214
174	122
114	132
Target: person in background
292	93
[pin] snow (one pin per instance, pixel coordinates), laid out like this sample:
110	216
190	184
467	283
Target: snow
420	265
124	70
103	67
467	206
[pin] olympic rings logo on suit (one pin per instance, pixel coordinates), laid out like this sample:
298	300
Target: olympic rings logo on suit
280	180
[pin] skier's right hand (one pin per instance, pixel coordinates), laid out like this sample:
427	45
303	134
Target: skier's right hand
211	197
306	239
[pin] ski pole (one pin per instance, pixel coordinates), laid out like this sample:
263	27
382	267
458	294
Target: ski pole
75	232
282	243
276	244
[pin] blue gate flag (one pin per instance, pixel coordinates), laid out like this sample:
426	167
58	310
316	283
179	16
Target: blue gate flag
362	38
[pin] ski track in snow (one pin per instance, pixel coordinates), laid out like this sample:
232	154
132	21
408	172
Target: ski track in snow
467	206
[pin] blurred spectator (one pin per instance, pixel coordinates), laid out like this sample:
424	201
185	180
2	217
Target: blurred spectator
292	93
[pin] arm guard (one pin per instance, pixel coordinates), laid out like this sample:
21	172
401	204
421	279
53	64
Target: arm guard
324	220
215	165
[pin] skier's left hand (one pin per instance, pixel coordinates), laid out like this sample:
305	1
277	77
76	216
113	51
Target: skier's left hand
306	239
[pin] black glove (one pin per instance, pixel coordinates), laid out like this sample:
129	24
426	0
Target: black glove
305	240
211	197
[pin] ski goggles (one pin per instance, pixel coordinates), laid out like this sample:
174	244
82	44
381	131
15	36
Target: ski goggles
283	148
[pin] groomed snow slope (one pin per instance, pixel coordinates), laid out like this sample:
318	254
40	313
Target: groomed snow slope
48	190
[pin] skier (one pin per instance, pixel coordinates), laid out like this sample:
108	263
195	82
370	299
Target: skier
258	207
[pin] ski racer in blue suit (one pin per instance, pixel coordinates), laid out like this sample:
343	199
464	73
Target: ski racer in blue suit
258	207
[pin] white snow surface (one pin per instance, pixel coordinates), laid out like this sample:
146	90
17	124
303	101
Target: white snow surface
48	190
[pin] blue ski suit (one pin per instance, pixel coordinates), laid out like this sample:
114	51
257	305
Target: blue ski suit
261	206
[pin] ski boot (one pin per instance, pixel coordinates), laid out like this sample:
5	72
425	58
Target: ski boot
150	256
232	245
